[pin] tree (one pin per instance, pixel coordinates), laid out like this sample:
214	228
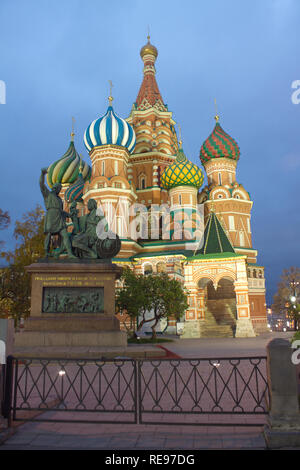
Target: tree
286	301
132	297
15	281
151	298
4	222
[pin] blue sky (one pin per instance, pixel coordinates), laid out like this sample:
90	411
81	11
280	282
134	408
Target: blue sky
57	56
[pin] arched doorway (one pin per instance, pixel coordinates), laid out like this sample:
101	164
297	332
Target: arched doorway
217	306
221	302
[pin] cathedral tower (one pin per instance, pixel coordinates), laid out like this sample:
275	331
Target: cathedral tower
156	139
232	204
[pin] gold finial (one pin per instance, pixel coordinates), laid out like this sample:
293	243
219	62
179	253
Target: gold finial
73	125
149	48
180	140
217	117
110	98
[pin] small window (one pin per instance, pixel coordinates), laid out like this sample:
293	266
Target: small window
102	168
119	226
242	240
248	224
220	179
148	269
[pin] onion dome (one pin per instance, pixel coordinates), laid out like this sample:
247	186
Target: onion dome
182	173
219	145
110	129
149	49
74	192
66	169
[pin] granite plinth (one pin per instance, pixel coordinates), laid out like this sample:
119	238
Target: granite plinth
78	327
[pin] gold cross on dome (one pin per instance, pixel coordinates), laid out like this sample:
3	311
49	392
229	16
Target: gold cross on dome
217	117
73	127
180	140
110	98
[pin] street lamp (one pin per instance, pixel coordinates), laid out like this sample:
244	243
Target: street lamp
293	298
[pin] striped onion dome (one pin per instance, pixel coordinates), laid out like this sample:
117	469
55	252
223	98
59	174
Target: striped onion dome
181	173
66	169
110	129
219	145
74	192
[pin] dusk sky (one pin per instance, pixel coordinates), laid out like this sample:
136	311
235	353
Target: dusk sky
57	56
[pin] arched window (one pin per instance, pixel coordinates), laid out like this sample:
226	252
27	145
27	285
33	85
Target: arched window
148	269
142	182
177	267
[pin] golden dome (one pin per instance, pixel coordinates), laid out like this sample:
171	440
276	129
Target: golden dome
149	49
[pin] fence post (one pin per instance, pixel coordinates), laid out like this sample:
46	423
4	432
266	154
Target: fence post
283	429
8	388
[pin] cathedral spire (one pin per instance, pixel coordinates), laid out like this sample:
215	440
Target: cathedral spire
149	94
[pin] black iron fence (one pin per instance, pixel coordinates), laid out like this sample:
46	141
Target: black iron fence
222	391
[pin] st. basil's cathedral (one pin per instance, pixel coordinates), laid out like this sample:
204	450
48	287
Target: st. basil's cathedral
139	161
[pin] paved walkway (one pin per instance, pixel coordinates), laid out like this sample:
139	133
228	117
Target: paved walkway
71	436
224	347
43	436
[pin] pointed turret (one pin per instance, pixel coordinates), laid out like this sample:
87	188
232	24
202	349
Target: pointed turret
149	95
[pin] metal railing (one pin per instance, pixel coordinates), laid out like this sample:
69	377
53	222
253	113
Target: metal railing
201	390
219	391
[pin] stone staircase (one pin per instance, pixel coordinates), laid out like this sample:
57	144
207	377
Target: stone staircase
219	319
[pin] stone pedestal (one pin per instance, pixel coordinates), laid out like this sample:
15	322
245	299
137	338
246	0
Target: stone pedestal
192	329
283	429
72	305
244	328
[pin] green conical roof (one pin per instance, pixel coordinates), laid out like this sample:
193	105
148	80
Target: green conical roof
215	238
